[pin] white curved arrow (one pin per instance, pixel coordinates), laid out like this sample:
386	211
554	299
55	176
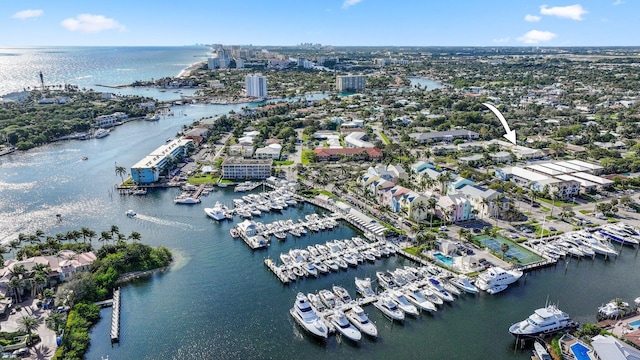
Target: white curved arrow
510	134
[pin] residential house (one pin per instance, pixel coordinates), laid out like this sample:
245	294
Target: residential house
324	154
454	208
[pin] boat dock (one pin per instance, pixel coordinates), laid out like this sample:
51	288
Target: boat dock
115	317
271	265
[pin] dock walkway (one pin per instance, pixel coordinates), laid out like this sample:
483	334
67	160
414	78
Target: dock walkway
115	317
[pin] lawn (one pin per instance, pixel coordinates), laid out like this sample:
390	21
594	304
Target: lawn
283	162
385	138
202	179
557	203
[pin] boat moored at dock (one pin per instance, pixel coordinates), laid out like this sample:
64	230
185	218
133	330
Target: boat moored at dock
543	321
305	316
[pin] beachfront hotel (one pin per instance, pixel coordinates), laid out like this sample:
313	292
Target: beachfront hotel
256	85
235	167
350	83
148	169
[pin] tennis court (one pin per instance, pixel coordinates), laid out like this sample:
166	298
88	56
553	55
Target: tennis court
517	252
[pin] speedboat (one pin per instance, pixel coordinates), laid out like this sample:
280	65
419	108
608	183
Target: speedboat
359	319
310	269
431	296
342	294
363	287
320	266
341	263
344	327
305	316
328	298
331	264
398	297
186	200
494	289
540	352
600	245
462	282
415	296
497	276
130	213
389	308
368	256
543	321
316	303
450	288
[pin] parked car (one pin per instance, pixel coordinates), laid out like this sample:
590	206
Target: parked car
551	228
601	217
443	228
21	352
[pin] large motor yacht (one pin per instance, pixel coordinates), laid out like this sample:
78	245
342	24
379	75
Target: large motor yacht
497	276
305	316
546	320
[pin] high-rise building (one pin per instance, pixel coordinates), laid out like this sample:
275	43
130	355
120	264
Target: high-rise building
350	82
256	85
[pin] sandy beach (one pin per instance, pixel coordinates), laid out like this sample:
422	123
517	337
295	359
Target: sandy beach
186	72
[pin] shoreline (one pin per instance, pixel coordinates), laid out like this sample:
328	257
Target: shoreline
186	72
134	275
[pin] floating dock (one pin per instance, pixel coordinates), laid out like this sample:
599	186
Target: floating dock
115	317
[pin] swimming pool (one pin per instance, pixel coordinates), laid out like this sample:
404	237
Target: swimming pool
447	260
635	324
580	351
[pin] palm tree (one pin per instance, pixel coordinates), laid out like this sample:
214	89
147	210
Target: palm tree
443	179
16	284
55	321
91	234
29	324
420	208
504	247
121	237
114	230
431	205
135	236
105	237
121	171
554	195
84	232
14	245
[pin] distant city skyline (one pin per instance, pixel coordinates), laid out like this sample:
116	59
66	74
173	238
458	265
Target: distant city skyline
328	22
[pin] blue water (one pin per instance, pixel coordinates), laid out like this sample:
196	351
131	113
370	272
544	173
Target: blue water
447	260
635	324
88	66
580	351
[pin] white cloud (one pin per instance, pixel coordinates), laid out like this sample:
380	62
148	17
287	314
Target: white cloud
618	2
573	12
90	23
25	14
349	3
536	36
532	18
501	40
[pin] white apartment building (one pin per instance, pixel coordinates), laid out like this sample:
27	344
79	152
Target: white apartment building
256	85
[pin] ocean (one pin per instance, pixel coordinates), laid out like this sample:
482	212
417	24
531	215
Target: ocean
90	66
219	301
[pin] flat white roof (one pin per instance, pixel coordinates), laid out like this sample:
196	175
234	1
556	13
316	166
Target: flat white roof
585	164
544	170
583	183
596	179
558	168
571	166
527	174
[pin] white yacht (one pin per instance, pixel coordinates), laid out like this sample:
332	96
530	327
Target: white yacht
344	327
494	289
100	133
186	200
440	292
599	245
342	294
389	308
305	316
331	264
359	319
328	298
546	320
217	212
415	296
497	276
398	297
540	351
363	287
462	282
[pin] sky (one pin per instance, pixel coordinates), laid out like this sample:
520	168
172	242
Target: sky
328	22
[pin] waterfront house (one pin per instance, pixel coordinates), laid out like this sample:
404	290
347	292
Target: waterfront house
420	166
148	169
484	201
237	168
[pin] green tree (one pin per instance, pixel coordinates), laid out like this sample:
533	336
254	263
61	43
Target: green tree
29	324
121	171
504	247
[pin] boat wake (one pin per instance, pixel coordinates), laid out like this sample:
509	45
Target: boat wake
160	221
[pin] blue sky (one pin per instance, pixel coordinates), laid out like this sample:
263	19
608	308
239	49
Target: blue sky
333	22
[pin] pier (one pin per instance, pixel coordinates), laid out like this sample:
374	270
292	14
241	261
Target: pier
115	317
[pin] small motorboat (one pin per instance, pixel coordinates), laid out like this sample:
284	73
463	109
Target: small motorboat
359	319
496	289
130	213
344	327
388	308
